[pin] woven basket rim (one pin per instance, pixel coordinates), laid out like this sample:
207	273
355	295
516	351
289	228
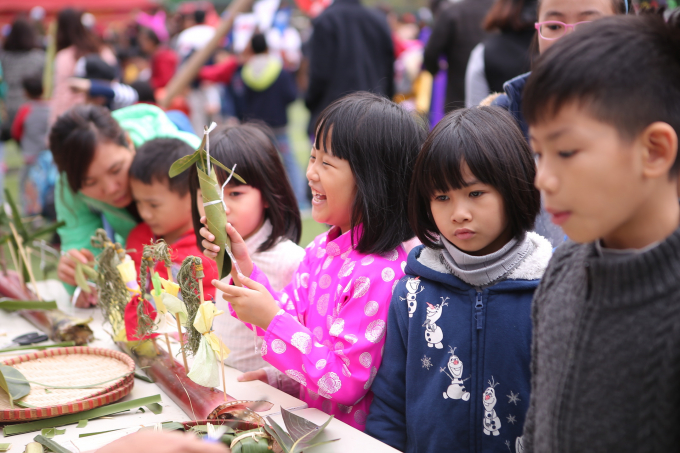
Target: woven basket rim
30	414
106	396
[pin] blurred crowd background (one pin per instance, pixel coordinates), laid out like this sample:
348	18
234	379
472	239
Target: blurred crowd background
281	63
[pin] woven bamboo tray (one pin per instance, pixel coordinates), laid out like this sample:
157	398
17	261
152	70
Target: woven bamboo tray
69	367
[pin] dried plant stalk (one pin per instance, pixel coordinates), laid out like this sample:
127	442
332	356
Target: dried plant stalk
188	283
113	294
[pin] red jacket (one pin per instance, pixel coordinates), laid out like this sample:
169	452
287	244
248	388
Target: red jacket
142	235
163	66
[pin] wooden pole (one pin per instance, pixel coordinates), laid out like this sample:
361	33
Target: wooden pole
189	70
27	261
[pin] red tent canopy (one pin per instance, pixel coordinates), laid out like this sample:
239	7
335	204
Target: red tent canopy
106	11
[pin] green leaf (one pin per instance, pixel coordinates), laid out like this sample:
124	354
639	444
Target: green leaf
51	432
155	408
183	163
143	377
228	170
302	430
68	419
34	447
82	424
81	281
172	426
40	347
16	216
307	446
46	230
13	383
25	405
89	272
28	305
99	432
5	447
279	434
299	427
51	445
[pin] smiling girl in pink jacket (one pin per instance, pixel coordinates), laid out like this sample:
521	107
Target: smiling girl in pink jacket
326	329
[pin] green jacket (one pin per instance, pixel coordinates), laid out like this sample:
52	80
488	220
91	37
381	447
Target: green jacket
82	214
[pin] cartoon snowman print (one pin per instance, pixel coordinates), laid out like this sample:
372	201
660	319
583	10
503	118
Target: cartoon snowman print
413	288
456	390
433	333
492	423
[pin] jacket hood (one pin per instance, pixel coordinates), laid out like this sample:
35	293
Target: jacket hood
514	88
261	72
425	262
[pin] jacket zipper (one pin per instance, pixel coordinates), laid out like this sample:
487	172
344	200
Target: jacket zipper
479	305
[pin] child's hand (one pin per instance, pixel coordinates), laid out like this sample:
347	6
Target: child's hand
162	442
238	247
66	269
252	303
257	375
86	300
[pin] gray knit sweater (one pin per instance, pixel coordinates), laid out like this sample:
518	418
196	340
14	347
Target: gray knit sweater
606	352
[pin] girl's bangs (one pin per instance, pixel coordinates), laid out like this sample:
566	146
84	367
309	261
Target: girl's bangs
444	162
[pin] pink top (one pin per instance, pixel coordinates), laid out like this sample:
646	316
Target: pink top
64	67
330	332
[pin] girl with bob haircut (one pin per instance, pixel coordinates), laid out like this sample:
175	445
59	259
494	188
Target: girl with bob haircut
326	328
266	212
459	327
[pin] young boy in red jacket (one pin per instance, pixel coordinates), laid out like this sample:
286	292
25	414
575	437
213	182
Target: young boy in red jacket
164	204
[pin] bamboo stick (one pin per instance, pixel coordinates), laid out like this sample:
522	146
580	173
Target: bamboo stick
27	262
179	330
13	254
224	381
181	342
190	69
167	342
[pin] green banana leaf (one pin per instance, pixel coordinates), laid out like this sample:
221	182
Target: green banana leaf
12	304
217	219
211	191
13	383
50	444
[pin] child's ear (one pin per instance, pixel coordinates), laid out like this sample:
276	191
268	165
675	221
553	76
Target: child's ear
660	149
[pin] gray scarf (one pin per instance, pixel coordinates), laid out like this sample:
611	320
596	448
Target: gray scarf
482	271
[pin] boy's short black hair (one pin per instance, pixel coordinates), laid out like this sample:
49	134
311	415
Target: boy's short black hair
624	70
380	140
489	141
33	86
154	159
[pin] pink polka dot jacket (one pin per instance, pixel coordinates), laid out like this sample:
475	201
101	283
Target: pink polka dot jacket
330	331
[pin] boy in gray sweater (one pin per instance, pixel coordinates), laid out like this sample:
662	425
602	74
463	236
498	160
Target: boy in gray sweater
603	107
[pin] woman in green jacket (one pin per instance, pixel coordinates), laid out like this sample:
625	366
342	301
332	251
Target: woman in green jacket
93	149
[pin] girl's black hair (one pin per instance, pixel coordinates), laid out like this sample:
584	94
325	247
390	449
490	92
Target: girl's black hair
72	32
488	140
252	147
74	138
380	140
22	37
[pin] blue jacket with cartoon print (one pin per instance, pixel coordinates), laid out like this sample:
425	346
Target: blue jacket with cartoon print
455	373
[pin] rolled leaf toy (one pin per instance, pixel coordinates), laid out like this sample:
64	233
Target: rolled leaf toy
211	351
215	211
